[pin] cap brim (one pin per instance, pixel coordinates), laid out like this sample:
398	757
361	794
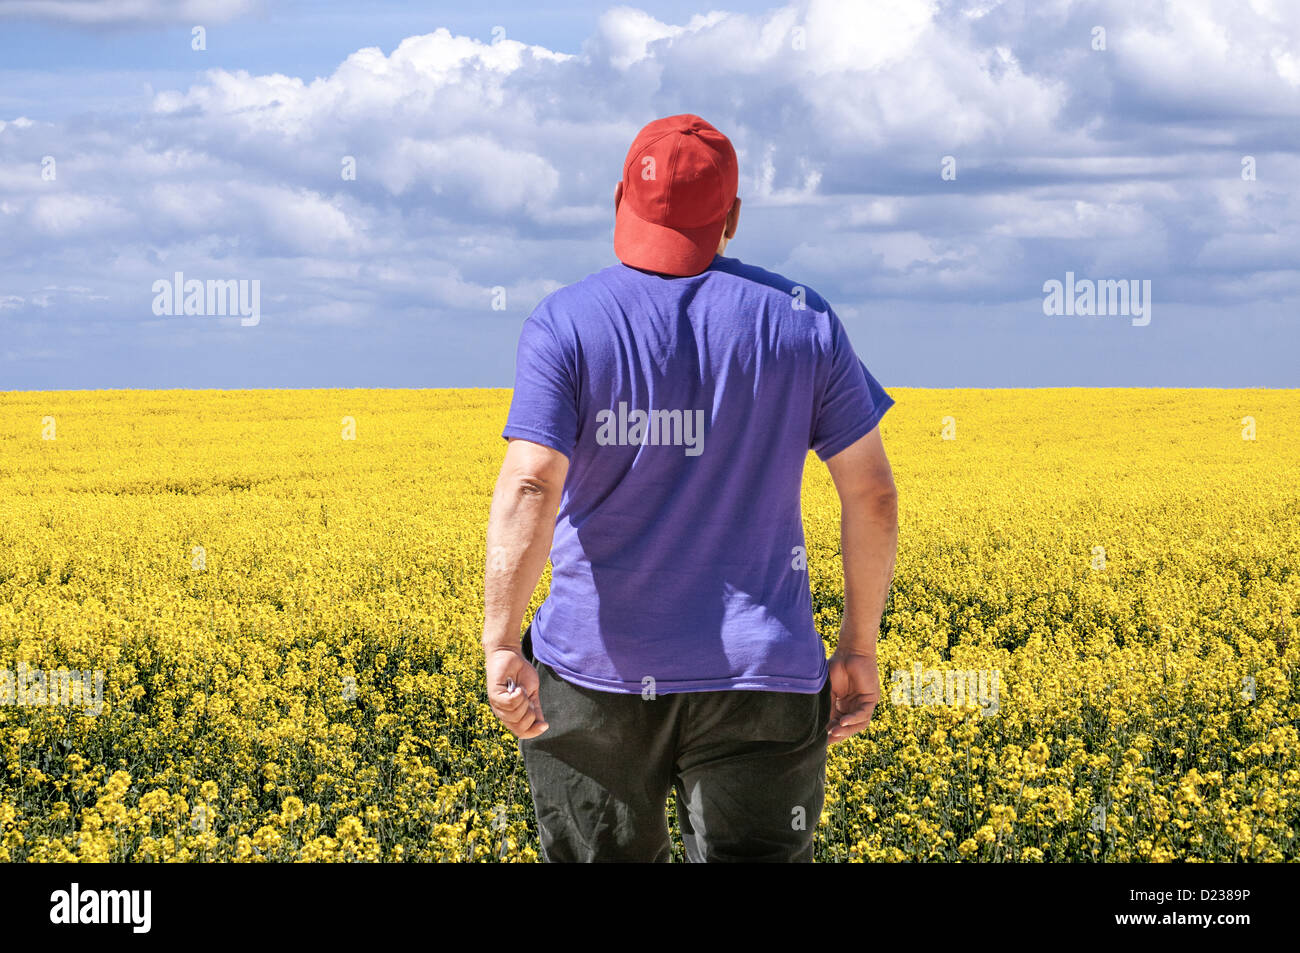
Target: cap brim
670	251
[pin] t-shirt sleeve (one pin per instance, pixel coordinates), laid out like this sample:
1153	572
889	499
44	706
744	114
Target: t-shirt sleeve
544	407
852	401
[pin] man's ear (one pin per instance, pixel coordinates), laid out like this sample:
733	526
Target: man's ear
618	194
733	219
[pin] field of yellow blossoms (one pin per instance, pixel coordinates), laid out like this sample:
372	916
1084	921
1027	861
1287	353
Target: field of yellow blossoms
281	593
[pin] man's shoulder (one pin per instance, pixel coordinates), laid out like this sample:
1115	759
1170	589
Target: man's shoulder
765	281
591	296
577	295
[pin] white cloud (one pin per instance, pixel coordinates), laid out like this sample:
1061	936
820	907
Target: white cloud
1234	56
493	164
66	215
625	34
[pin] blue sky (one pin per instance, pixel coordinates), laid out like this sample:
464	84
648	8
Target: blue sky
486	159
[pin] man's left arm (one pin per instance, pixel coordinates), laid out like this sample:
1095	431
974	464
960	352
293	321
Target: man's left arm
520	529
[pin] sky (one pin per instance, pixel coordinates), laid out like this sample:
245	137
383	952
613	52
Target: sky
402	183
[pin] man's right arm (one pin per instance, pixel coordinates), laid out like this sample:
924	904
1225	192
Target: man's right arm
869	543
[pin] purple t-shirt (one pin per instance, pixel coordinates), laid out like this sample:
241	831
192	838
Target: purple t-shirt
686	407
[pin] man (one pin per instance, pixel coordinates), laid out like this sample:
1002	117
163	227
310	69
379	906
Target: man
663	412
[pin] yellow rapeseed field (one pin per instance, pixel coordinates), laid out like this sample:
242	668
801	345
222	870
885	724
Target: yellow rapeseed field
282	591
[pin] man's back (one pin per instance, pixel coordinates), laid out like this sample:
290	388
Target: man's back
687	407
663	412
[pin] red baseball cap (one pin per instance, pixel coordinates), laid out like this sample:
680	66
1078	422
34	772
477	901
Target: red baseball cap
679	183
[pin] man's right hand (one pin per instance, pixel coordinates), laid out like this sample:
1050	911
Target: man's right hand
855	691
519	709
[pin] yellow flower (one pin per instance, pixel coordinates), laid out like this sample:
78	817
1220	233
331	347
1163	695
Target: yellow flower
276	644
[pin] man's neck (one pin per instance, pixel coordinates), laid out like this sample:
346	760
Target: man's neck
662	274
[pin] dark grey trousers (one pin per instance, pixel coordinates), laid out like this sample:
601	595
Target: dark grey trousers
748	768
